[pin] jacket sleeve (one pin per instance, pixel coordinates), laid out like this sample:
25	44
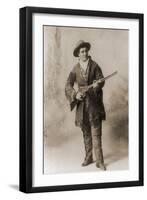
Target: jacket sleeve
99	75
69	90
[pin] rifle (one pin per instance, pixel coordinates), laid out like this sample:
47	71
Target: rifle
84	89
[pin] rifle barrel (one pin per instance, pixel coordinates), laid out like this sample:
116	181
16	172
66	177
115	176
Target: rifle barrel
109	75
102	79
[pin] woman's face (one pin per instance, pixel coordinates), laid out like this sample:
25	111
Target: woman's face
83	53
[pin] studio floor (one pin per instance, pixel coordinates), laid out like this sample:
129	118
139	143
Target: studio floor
68	156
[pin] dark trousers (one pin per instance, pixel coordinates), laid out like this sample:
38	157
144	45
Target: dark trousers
92	134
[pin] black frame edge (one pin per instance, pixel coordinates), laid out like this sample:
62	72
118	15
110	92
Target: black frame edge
93	186
25	102
65	11
22	103
141	99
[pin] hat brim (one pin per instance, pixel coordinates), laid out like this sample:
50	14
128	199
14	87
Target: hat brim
84	44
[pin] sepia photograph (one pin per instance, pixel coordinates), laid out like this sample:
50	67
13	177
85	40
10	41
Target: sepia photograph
85	99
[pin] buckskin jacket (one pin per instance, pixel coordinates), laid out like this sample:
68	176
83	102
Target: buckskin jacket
93	102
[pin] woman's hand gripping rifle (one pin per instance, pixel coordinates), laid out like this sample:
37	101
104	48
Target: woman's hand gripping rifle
83	89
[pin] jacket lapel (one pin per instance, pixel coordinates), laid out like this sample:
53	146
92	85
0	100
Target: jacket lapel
89	73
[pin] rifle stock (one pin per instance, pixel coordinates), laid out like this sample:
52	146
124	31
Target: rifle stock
73	104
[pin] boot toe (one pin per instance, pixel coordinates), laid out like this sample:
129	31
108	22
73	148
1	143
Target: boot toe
87	162
101	166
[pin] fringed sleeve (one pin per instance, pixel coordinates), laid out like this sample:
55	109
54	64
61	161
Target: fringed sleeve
69	90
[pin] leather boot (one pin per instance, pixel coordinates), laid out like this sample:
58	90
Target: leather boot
87	161
101	166
97	144
88	146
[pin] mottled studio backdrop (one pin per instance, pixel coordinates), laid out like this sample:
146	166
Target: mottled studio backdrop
63	142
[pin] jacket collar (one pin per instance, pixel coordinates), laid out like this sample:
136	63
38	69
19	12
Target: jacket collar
89	69
90	64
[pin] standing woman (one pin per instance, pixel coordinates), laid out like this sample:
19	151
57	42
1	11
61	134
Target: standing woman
89	108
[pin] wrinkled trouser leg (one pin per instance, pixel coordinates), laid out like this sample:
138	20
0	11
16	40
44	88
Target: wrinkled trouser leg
97	142
86	129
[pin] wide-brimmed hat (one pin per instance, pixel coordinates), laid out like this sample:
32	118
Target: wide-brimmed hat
79	45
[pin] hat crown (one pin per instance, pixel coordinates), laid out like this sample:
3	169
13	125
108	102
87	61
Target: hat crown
80	43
